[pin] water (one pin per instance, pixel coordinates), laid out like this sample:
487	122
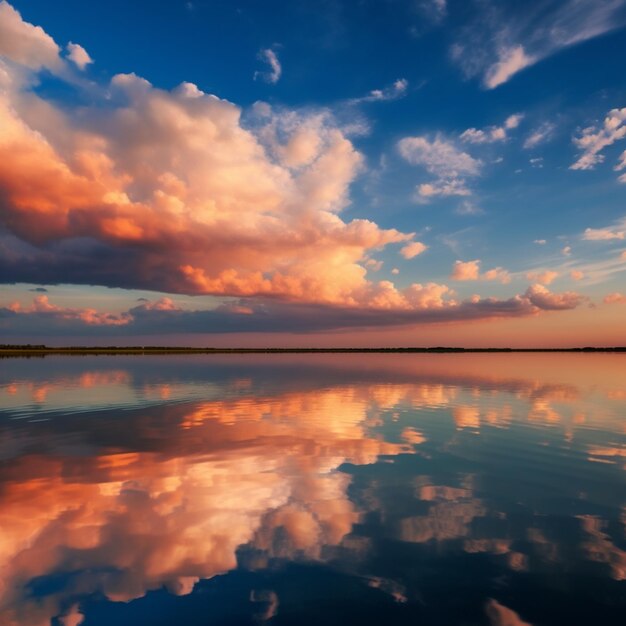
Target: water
473	489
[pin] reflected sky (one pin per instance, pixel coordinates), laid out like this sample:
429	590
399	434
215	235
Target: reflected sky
479	489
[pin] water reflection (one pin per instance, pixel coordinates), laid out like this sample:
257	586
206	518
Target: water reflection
435	489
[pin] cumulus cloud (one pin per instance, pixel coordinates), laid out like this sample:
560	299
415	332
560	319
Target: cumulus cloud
171	191
275	71
470	270
541	297
412	249
465	270
492	134
78	55
442	159
499	43
25	43
594	139
544	277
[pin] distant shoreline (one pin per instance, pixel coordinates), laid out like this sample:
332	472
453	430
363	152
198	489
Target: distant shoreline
42	350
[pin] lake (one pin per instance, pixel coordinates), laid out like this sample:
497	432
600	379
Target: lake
430	489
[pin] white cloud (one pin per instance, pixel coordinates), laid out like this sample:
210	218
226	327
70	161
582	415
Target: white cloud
396	90
275	71
78	55
594	139
541	242
617	231
492	134
443	188
439	157
506	38
442	159
621	164
540	135
510	62
24	43
468	208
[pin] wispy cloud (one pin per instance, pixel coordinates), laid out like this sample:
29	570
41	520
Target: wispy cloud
608	233
540	135
275	71
398	89
497	45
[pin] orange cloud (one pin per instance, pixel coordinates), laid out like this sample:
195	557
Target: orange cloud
615	298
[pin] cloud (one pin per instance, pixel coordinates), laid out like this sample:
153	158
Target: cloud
606	234
25	43
469	208
39	289
576	275
491	134
396	90
501	42
510	61
566	251
615	298
418	304
167	190
540	135
172	191
78	55
545	300
540	242
470	270
275	71
465	270
621	164
42	309
442	159
443	188
413	249
594	139
545	277
500	615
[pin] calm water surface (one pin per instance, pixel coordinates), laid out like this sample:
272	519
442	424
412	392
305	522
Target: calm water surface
468	489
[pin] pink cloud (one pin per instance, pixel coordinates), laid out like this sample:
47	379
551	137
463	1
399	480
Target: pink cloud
413	249
615	298
470	270
544	277
465	270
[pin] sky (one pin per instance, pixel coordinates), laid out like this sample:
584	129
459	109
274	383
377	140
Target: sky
313	173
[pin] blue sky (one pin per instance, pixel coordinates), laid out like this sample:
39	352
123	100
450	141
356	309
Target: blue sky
483	129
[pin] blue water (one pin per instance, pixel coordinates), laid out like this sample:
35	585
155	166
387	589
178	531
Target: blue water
443	489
